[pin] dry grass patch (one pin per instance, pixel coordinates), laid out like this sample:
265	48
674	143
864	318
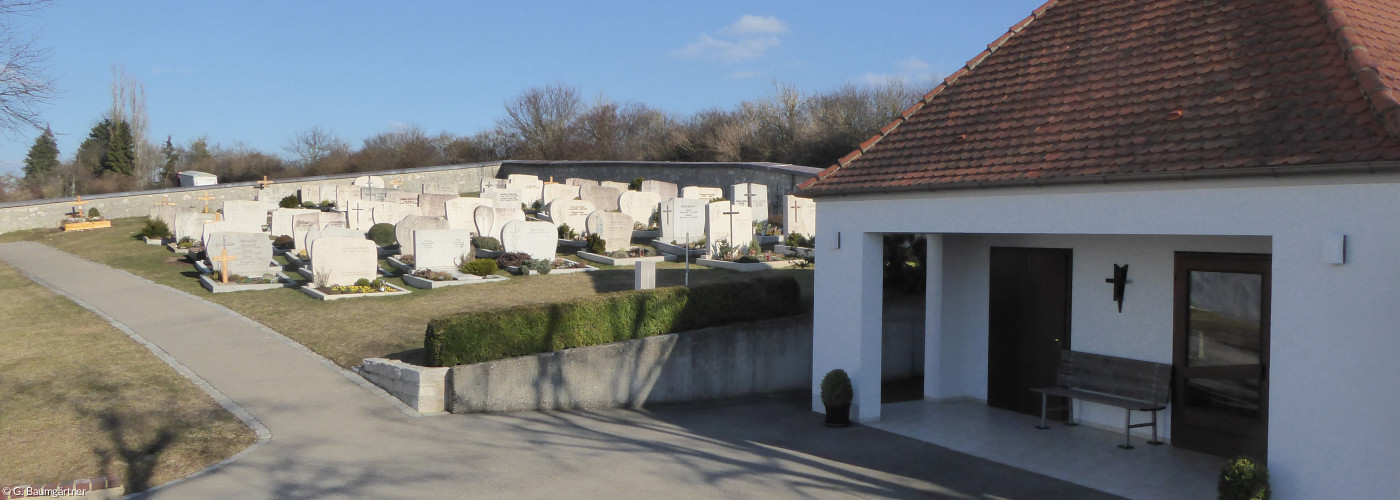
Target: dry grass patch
79	399
347	331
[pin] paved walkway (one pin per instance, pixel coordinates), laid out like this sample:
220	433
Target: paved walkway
328	436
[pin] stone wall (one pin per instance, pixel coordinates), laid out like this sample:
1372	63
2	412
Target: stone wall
422	388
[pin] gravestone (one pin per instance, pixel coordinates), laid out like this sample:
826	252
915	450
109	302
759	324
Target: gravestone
310	194
282	219
644	275
404	230
493	184
368	181
504	215
252	252
602	198
639	205
439	249
189	223
754	196
571	212
800	216
245	216
401	198
504	198
329	232
664	190
531	188
372	193
485	220
538	239
345	193
440	188
359	214
552	192
619	186
392	213
434	205
614	227
702	193
211	227
729	222
460	212
682	216
334	219
575	181
302	224
343	261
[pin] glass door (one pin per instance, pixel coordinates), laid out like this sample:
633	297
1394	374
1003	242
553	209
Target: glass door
1221	354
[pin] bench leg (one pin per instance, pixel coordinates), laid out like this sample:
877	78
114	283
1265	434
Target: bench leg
1043	403
1127	426
1070	420
1154	440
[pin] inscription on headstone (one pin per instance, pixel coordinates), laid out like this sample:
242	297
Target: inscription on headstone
440	248
702	193
681	217
602	198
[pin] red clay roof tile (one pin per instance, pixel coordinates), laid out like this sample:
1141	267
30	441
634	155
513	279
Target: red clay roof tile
1110	87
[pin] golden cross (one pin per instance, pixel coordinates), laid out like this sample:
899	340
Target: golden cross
166	201
78	205
223	260
262	184
205	197
396	183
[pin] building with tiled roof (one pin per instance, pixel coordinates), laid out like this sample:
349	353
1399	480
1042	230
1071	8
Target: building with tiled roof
1241	158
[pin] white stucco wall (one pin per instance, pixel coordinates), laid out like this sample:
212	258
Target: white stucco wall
1335	329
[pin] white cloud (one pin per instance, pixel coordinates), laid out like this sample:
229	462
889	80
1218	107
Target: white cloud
750	25
749	38
912	70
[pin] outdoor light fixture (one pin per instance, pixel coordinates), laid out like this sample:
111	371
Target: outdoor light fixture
836	242
1334	249
1119	281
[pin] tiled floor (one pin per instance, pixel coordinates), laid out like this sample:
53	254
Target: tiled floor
1081	455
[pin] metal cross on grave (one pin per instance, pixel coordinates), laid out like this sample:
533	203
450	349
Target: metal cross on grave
223	260
205	198
748	197
264	183
166	201
668	219
78	205
731	213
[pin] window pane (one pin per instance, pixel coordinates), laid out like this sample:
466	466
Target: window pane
1224	323
1235	397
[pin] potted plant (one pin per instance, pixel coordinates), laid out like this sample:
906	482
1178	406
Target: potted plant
1244	478
836	396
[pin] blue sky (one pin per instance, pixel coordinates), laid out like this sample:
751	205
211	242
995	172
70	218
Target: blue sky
259	72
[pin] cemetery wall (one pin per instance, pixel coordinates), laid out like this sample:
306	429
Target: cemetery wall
34	214
781	179
712	363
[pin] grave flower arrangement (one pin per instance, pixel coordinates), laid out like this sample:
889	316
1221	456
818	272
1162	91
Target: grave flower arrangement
568	233
765	228
566	264
429	274
250	280
633	252
361	286
186	242
407	259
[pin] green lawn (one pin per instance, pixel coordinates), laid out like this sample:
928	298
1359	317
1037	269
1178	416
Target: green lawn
347	331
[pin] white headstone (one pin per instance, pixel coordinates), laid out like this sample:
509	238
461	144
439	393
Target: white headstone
302	224
663	189
211	227
369	181
327	192
392	213
330	232
245	216
404	230
401	197
484	218
504	215
164	213
461	212
252	252
505	198
493	184
602	198
614	227
538	239
799	216
644	275
372	193
754	196
311	194
440	188
619	186
574	181
189	223
440	248
282	220
702	193
571	212
434	204
334	219
343	261
731	223
531	188
554	192
359	214
681	217
345	193
639	205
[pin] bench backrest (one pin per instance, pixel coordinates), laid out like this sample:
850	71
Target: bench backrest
1122	377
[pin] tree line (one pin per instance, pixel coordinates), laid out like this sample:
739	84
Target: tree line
551	122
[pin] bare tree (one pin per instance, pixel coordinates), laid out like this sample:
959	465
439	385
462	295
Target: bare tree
314	144
543	120
129	105
23	85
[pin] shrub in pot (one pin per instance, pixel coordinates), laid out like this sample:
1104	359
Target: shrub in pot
1244	478
836	397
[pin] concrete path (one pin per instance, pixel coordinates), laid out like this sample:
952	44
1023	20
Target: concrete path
326	435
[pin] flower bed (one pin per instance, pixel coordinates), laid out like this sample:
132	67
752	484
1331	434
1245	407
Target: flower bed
353	291
628	257
213	283
794	251
82	224
560	266
429	279
748	264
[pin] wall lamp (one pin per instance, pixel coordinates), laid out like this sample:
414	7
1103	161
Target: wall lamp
1119	281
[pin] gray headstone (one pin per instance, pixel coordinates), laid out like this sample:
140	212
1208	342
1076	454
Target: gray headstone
558	191
538	239
434	205
574	181
252	252
602	198
441	248
702	193
461	212
282	219
343	261
644	275
731	223
404	230
664	190
682	216
639	205
754	196
614	227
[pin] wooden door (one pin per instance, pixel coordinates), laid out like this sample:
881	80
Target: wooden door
1220	392
1027	324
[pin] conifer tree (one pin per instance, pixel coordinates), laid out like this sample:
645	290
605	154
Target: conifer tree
43	157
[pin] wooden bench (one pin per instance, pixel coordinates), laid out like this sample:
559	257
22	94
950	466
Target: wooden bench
1130	384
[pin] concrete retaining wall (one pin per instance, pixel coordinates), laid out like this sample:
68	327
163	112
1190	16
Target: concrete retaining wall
421	388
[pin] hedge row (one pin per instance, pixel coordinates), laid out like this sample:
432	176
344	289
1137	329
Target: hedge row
518	331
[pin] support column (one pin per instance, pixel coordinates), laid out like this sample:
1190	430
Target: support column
933	318
872	299
846	327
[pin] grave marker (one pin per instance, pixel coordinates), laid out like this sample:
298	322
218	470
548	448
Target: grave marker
368	181
246	216
619	186
702	193
439	249
614	227
434	205
343	261
405	228
282	219
251	253
571	212
731	223
754	196
800	216
460	212
682	216
639	205
552	192
602	198
574	181
484	218
538	239
664	190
